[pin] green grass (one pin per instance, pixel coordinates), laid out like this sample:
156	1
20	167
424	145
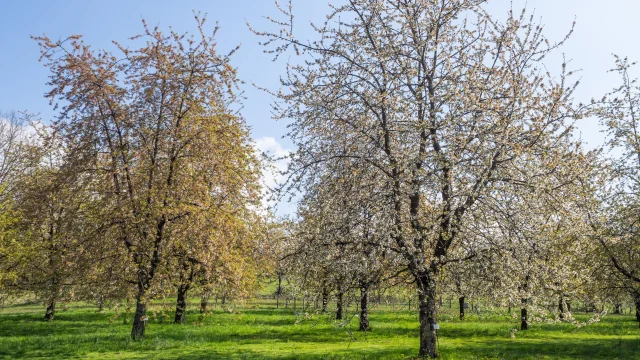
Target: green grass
259	331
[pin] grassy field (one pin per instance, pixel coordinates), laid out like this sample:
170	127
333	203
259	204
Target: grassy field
259	331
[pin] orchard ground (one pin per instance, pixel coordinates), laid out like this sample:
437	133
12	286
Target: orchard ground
260	331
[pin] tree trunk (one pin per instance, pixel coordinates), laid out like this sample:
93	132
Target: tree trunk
561	307
339	307
203	302
140	318
100	303
427	314
51	311
461	302
617	310
325	300
524	320
636	299
181	304
364	307
279	291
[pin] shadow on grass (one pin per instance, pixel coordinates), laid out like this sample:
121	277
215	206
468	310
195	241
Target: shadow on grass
274	334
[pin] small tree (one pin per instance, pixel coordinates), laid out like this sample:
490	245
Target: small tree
157	127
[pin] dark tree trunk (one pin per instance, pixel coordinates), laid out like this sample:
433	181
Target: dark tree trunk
617	310
524	319
100	303
461	302
181	304
51	311
561	307
203	303
278	291
339	307
140	317
427	314
364	307
636	299
325	300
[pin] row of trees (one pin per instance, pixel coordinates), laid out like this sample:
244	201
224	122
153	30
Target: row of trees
146	185
434	153
433	144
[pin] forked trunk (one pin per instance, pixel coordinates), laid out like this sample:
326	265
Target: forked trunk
339	307
427	315
461	302
181	304
364	307
51	311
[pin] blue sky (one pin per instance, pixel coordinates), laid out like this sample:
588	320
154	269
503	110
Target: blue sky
603	28
22	77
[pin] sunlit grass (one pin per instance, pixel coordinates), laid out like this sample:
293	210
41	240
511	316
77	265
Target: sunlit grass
259	331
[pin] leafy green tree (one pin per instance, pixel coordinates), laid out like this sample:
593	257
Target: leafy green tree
156	127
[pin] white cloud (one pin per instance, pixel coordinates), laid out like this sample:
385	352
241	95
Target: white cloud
275	163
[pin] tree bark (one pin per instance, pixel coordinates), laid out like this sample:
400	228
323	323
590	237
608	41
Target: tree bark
203	302
100	303
339	307
279	291
561	307
364	307
140	318
636	299
524	319
427	314
51	311
461	302
325	300
181	304
617	310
